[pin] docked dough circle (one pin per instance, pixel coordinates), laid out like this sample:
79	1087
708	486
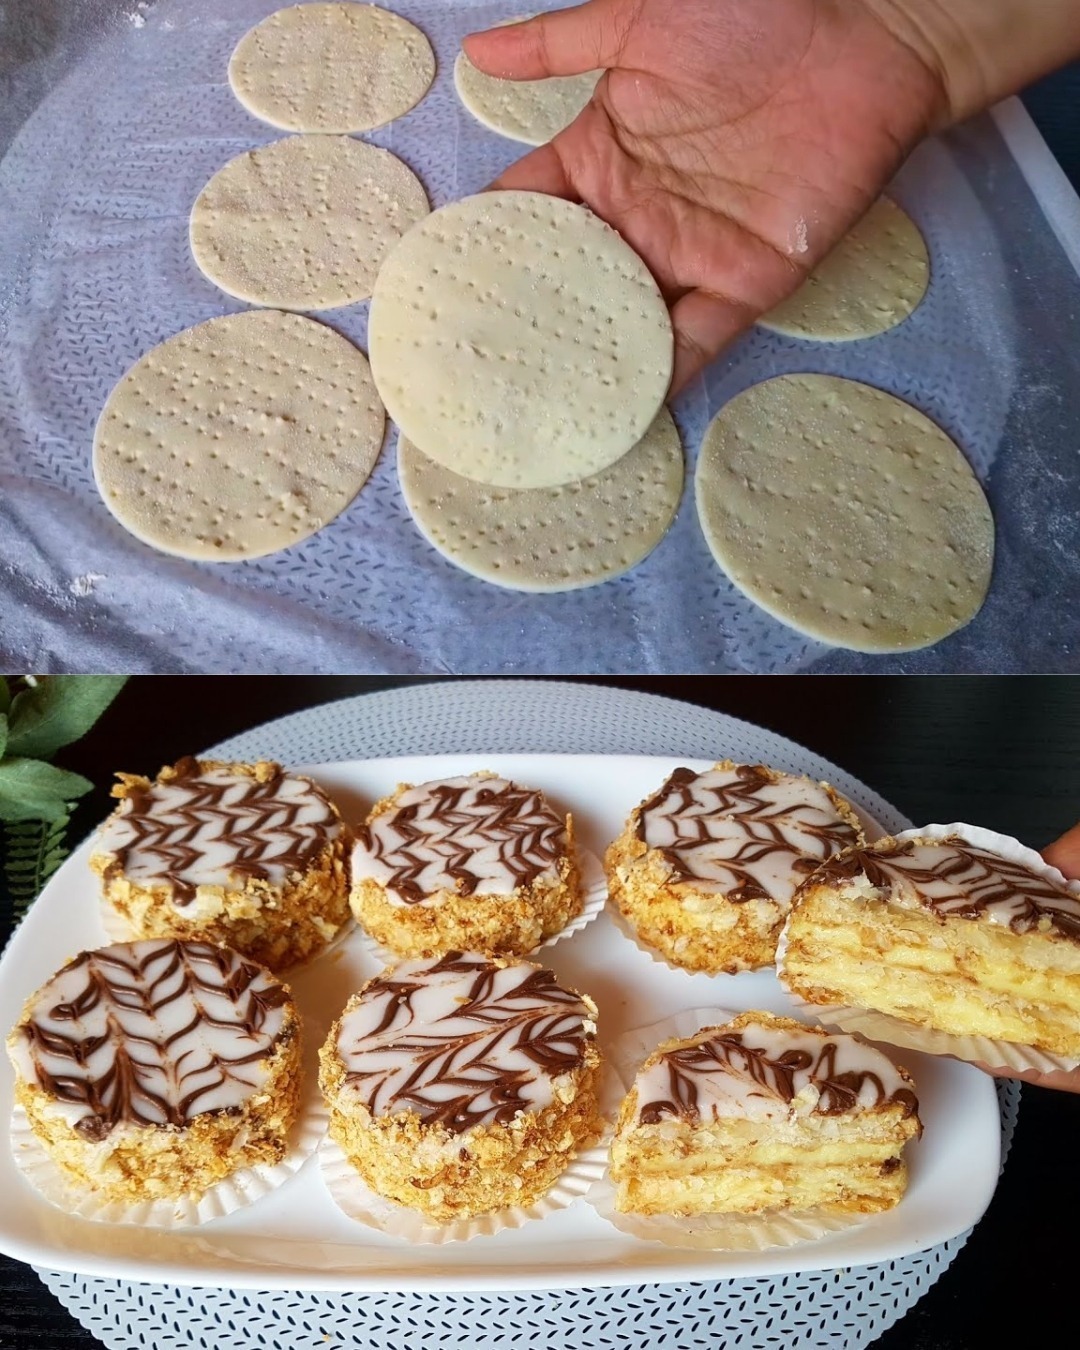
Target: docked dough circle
550	539
331	67
845	513
519	341
532	111
871	281
238	437
304	223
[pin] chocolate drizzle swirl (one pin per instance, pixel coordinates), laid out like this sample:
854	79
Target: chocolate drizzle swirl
746	829
460	1041
151	1033
213	825
463	835
768	1070
957	880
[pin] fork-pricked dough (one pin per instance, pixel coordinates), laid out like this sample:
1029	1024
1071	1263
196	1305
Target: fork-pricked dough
550	539
872	280
238	437
331	67
845	513
304	223
519	341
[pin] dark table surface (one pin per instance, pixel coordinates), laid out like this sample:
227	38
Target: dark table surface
1003	753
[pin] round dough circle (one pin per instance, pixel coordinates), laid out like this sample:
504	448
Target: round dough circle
550	539
337	68
532	111
845	513
871	281
519	341
304	223
238	437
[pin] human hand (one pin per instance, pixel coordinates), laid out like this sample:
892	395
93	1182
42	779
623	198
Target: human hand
731	143
1064	854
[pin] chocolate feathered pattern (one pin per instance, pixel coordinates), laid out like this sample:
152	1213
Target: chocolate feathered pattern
121	1093
529	837
536	1017
249	824
775	1075
984	883
739	800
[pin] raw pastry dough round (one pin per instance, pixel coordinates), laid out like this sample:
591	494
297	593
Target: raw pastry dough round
871	281
238	437
845	513
338	67
304	223
519	341
532	111
550	539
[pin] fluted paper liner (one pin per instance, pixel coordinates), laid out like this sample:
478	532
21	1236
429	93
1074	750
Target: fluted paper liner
623	924
880	1026
243	1187
355	1198
594	894
711	1232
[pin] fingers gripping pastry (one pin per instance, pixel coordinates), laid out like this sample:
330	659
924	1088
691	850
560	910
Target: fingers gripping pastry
475	863
941	933
155	1069
461	1084
762	1114
245	855
705	868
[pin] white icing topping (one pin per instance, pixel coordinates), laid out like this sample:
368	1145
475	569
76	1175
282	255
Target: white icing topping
150	1033
765	1073
744	831
461	1041
218	827
465	835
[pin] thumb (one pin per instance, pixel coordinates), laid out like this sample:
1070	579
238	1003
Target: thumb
1064	853
564	42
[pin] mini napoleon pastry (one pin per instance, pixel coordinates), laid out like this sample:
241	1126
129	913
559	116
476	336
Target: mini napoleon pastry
245	855
943	934
471	863
705	868
764	1114
152	1070
462	1085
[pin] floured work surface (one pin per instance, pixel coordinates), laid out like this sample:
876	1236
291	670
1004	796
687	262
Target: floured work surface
95	269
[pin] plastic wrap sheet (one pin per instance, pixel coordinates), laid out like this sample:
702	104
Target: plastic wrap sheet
115	115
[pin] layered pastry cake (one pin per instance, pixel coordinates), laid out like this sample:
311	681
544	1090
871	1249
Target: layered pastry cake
474	863
941	933
764	1114
706	868
246	855
151	1070
460	1085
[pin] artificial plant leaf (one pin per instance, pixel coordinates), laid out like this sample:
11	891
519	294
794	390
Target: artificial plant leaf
31	790
57	710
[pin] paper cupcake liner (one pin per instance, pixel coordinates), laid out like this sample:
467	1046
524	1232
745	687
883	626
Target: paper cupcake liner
880	1026
594	894
710	1232
244	1187
118	929
357	1200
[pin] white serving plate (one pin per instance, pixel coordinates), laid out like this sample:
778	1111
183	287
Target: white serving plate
297	1239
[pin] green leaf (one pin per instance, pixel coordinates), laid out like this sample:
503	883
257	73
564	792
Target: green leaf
33	850
31	790
5	695
57	710
3	733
